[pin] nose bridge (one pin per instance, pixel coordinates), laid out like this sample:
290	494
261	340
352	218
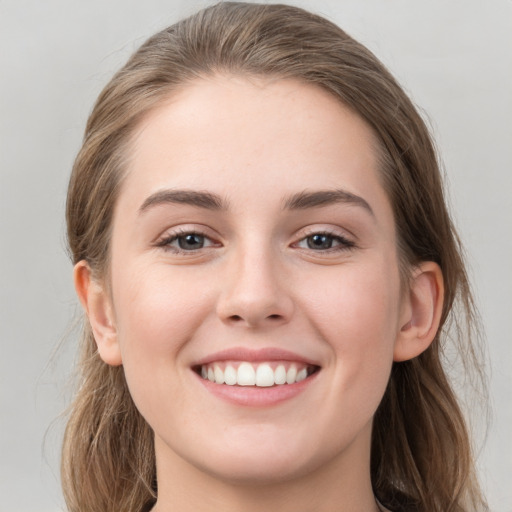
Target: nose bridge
254	292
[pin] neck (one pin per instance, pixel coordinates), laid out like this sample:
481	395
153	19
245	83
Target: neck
341	485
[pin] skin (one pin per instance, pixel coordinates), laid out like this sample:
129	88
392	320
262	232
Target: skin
258	282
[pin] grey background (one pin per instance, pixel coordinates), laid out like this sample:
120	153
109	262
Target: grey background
55	55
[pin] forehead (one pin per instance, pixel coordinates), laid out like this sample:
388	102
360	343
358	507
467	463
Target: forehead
272	137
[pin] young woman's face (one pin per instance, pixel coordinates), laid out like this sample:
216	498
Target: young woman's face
253	245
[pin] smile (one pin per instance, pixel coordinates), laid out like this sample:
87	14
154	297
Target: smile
263	374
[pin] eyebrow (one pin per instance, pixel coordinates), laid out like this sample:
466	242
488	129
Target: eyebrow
196	198
210	201
317	199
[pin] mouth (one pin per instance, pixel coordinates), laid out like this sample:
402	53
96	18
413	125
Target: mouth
263	374
264	377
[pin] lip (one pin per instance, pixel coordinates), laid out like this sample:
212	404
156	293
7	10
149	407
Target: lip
257	396
249	396
255	356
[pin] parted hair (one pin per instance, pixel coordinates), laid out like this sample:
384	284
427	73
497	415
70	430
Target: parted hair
421	454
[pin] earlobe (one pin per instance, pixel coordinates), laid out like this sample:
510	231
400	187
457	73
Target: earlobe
97	304
421	313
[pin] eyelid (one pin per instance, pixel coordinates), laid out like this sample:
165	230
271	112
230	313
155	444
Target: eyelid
347	241
163	241
183	229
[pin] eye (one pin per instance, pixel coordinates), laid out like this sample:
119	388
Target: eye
185	242
190	242
325	242
319	241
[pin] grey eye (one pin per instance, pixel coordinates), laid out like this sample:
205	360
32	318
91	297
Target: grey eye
191	241
325	242
319	241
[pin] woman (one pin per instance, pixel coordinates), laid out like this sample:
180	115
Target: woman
267	264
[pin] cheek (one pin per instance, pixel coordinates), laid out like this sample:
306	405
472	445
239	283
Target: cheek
356	314
156	312
362	300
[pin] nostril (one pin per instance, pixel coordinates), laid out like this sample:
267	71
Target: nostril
239	318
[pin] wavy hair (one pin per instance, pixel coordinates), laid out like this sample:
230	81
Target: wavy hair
421	454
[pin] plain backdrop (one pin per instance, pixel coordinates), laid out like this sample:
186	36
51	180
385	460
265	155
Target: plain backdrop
454	58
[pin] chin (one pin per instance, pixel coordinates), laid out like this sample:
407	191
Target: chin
261	459
257	470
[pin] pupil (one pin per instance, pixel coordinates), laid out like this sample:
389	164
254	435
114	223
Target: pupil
191	242
320	242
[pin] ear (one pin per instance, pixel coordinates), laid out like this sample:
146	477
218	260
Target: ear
421	312
97	304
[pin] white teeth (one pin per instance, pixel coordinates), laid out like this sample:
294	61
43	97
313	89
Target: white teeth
280	375
219	375
264	376
230	375
301	375
247	374
291	374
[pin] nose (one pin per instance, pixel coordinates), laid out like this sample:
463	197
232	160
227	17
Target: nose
255	292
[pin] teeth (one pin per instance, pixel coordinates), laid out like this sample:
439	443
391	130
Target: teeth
230	375
291	374
219	375
247	374
301	375
280	375
264	376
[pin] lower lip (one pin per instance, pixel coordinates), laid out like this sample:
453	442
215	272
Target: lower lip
252	396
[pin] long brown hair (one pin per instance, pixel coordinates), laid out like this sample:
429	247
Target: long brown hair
421	453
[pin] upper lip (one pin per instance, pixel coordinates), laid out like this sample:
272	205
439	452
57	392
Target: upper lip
254	356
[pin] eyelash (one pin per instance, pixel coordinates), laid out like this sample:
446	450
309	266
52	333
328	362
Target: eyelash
344	244
166	242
